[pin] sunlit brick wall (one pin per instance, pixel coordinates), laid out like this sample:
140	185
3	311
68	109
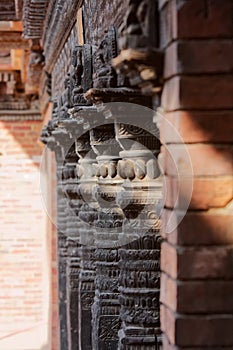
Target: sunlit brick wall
24	248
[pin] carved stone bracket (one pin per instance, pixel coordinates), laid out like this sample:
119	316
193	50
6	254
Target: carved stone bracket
140	59
143	68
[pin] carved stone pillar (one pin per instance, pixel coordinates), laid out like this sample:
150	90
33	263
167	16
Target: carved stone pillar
52	135
58	139
62	257
105	311
88	214
139	259
80	80
141	61
73	226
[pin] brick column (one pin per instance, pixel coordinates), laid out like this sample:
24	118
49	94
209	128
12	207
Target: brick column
197	256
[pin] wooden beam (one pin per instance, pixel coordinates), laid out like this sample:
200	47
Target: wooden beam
12	40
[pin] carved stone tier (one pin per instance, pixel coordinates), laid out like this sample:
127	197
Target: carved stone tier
122	94
139	293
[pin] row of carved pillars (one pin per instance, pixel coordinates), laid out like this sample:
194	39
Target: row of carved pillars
109	191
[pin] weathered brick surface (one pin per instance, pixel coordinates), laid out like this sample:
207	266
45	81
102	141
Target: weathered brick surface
168	346
203	159
24	287
213	227
194	297
198	92
194	57
190	263
195	19
197	126
197	331
208	192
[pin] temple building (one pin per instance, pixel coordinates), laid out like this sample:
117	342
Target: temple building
116	168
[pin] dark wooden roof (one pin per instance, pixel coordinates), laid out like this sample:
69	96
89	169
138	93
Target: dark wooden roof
8	10
34	12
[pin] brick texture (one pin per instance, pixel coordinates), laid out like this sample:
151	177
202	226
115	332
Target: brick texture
197	160
24	268
194	57
197	331
195	19
208	192
199	228
194	263
95	26
194	92
210	296
197	127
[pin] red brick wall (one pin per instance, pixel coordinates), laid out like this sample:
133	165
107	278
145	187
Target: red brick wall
24	255
197	257
94	11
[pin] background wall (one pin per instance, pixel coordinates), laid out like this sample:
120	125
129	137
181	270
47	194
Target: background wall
99	15
24	265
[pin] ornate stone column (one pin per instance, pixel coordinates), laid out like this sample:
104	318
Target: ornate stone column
88	214
141	61
80	81
139	258
105	311
53	136
73	227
